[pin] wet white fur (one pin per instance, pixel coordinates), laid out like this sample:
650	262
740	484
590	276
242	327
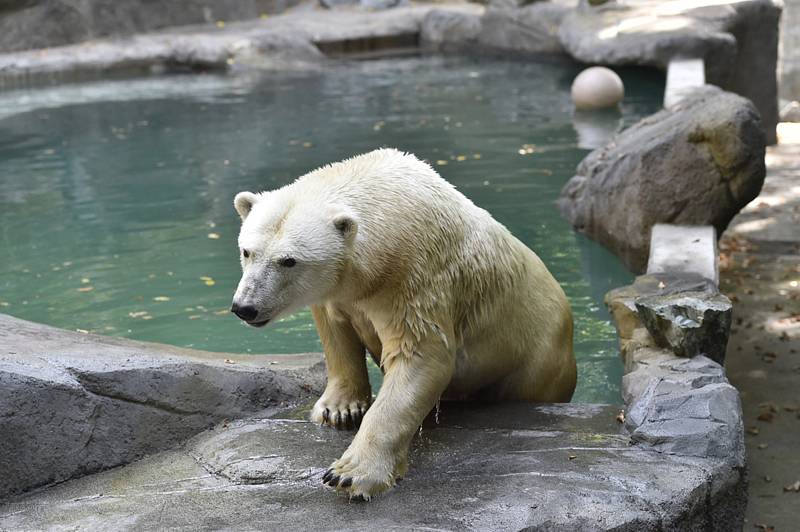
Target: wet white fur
394	259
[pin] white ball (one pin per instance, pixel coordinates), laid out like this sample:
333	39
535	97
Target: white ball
597	88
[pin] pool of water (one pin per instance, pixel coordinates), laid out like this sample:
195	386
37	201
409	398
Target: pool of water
116	209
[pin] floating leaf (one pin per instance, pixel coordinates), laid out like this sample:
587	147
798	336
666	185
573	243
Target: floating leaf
161	298
213	236
85	289
220	23
441	162
85	280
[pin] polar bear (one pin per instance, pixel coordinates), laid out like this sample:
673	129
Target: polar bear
394	260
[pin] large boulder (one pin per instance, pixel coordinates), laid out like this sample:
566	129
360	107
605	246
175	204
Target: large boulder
72	404
698	163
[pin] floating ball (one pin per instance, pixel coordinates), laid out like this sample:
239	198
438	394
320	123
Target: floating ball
597	88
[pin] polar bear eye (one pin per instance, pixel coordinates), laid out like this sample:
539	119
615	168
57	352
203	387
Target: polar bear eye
287	262
245	253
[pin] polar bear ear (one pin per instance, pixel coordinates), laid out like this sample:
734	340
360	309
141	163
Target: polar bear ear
243	203
346	223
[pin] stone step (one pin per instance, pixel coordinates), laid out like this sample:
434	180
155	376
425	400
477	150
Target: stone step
683	76
684	249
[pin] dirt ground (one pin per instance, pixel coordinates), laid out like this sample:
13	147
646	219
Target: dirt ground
760	272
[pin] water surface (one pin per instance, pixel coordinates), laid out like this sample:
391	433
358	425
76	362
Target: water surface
116	209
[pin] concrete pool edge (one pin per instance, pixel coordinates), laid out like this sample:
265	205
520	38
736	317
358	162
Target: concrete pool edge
74	404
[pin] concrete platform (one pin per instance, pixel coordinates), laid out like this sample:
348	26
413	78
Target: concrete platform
555	467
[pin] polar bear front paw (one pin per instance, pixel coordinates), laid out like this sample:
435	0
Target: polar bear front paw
339	410
362	479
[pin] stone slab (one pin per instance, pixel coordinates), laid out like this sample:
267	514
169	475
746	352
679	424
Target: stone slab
509	467
72	403
684	249
683	76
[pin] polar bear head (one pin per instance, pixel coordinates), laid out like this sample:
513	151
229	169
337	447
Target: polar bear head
293	250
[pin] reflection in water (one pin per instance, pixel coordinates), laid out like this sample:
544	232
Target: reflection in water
115	201
595	128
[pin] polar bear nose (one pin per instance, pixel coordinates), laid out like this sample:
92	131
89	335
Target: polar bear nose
245	312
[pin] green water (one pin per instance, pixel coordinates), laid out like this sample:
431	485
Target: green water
115	198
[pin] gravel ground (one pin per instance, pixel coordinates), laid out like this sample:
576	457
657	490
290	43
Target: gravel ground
760	272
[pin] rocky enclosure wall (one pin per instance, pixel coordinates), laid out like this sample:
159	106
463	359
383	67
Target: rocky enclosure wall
29	24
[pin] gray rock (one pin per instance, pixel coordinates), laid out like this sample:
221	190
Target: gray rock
46	23
449	31
482	467
73	404
737	40
689	323
704	422
621	301
532	29
698	163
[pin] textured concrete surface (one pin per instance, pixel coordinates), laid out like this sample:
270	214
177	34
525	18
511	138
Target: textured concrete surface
697	163
761	273
72	404
557	467
684	249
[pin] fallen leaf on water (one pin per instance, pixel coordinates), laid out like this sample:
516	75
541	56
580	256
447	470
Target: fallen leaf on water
208	280
85	280
195	316
222	312
220	23
762	446
85	289
753	430
161	298
213	236
572	457
137	314
441	162
84	331
766	528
